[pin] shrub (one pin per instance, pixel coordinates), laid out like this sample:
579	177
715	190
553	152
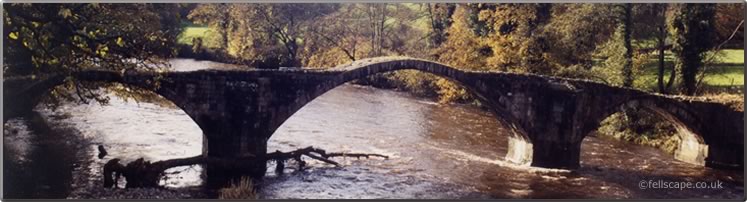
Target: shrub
244	189
641	127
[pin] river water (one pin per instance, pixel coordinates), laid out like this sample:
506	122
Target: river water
435	150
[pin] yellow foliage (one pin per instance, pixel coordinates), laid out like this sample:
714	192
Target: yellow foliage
462	47
450	92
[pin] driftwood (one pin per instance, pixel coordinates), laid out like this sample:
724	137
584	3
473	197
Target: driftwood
141	173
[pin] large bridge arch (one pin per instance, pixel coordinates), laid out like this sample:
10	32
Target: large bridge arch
510	106
372	66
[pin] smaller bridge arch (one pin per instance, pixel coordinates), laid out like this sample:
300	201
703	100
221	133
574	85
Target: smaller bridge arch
708	129
692	148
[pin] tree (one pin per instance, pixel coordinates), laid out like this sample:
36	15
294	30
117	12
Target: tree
692	28
216	16
726	19
348	33
627	24
516	36
63	38
576	32
439	15
661	37
463	48
338	37
264	33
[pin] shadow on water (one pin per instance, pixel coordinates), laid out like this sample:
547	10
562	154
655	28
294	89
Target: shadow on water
45	170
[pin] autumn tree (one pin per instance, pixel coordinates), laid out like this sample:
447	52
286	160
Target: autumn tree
464	49
63	38
338	38
516	35
440	18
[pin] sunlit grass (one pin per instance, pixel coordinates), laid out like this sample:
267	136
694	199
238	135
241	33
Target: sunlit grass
727	70
731	56
210	39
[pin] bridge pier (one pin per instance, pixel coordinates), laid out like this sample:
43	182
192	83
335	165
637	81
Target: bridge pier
520	150
691	149
725	155
234	146
553	154
546	154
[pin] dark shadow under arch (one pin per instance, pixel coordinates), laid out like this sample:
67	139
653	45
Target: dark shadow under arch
693	147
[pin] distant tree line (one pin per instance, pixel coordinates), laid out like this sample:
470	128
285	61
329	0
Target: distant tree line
603	42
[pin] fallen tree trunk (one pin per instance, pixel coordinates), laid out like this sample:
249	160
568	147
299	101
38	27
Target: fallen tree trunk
141	173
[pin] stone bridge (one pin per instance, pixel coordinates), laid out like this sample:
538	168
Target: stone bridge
238	111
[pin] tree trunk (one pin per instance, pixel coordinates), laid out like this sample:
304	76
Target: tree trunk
661	43
141	173
628	63
224	26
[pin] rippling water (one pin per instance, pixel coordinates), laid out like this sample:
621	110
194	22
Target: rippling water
436	151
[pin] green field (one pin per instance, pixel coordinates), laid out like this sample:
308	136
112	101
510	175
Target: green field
727	70
191	31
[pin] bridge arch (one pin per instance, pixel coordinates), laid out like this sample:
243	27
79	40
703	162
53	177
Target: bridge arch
25	97
693	147
520	146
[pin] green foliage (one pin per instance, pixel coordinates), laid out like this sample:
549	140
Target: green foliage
576	31
642	127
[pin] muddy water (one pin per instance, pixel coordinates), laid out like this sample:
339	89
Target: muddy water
436	151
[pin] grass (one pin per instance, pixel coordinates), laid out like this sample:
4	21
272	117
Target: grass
210	39
728	70
732	56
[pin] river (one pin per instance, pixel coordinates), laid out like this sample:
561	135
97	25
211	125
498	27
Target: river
436	151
